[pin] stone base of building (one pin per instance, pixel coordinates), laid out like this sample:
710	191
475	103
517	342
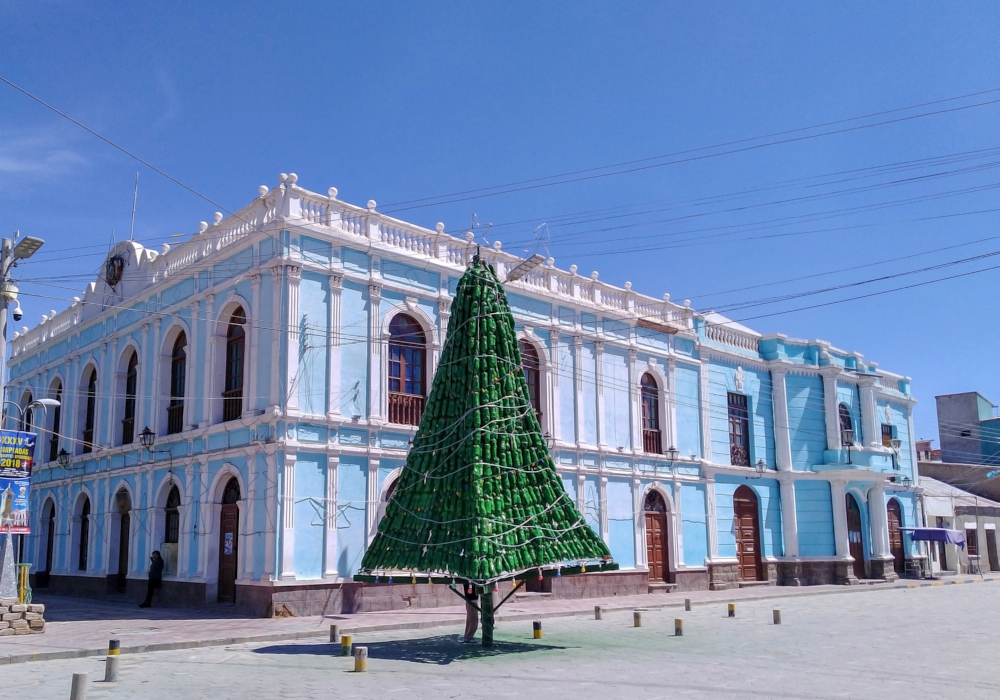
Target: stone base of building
883	569
171	594
724	577
815	573
691	581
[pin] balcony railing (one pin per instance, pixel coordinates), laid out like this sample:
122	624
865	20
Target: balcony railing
405	409
175	418
232	404
651	442
128	430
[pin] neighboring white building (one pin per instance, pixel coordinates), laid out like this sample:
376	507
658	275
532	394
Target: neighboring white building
282	357
950	507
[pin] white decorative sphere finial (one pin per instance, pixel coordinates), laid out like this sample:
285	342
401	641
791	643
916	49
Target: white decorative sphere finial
332	192
371	205
496	246
202	226
666	297
687	303
52	313
594	275
469	235
24	329
164	249
572	269
440	227
44	318
628	285
76	300
292	178
262	190
218	216
551	262
282	177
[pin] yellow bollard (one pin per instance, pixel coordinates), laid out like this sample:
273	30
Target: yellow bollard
345	645
536	629
687	605
678	627
777	617
637	619
360	659
732	610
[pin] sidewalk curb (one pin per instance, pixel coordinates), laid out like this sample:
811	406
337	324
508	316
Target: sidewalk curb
456	620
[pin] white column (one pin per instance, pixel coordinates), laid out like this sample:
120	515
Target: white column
839	504
333	399
375	368
288	519
555	383
148	362
271	525
196	401
635	402
830	407
275	332
578	387
109	361
252	400
706	413
581	496
789	517
713	524
71	408
879	520
603	509
292	377
186	535
779	407
602	436
638	522
249	540
214	359
153	401
872	435
671	404
911	446
330	540
371	507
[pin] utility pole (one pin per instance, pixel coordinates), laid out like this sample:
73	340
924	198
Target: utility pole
9	255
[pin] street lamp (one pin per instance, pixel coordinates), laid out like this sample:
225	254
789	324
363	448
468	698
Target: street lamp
147	437
847	437
63	457
906	482
9	255
760	467
43	404
672	454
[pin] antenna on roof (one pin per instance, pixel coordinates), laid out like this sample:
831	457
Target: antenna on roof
135	195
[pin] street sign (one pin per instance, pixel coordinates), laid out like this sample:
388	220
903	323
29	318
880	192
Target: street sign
17	455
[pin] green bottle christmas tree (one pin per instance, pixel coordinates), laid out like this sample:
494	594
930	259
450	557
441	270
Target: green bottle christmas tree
479	499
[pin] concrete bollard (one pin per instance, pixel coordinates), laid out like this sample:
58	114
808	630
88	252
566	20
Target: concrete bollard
777	616
598	612
637	619
360	659
536	629
78	691
732	610
345	645
687	605
678	627
111	669
334	634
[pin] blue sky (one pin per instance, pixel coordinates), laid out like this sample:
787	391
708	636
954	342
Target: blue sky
403	101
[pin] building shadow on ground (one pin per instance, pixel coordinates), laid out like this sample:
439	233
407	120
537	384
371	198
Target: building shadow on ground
441	650
71	609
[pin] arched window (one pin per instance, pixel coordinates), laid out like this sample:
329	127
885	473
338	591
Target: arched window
91	412
178	373
84	535
654	503
531	367
651	436
407	366
232	394
231	495
131	386
56	392
171	533
846	422
27	413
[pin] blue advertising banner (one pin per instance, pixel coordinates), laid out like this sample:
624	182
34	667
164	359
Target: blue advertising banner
17	454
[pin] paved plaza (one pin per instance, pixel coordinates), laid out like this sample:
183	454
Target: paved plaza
928	642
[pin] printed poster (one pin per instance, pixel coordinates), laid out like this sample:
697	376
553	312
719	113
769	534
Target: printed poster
17	455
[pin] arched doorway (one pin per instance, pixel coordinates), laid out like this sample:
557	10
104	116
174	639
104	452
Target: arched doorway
746	525
657	555
854	537
42	579
124	525
229	521
895	521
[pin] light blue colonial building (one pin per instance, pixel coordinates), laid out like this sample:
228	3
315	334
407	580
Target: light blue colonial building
282	355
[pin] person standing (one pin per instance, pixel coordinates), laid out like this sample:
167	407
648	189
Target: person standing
471	613
155	578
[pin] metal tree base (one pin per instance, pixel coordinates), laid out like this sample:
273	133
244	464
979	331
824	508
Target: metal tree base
486	610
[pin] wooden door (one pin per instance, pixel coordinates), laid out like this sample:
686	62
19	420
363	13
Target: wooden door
854	537
991	549
895	522
656	546
123	528
747	528
228	540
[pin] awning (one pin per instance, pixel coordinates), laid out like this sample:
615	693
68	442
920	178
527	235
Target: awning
937	534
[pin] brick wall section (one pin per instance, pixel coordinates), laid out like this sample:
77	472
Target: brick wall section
16	618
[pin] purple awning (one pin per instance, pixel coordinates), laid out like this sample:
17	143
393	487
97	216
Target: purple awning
937	534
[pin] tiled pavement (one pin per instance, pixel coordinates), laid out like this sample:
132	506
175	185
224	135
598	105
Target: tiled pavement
80	627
